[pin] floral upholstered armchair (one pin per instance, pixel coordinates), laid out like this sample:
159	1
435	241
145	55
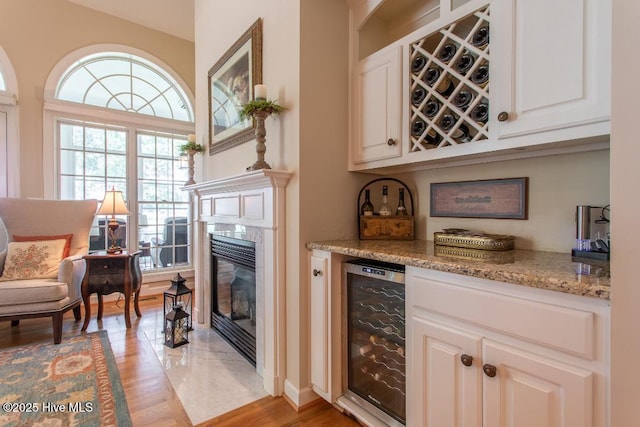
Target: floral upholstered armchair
42	265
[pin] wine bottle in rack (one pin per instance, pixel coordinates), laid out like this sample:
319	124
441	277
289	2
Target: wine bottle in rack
461	134
384	208
433	138
418	95
431	108
462	99
447	52
401	210
418	64
480	75
480	38
367	207
480	112
464	63
447	121
418	127
445	87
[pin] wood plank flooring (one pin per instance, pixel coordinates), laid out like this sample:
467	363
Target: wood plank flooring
150	396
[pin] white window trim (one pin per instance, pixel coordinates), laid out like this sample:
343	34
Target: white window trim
9	105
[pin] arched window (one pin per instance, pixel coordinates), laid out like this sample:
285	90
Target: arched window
9	158
118	118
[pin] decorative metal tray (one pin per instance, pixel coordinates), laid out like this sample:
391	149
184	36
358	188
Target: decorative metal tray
493	257
465	239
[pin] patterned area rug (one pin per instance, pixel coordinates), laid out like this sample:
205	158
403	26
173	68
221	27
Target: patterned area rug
75	383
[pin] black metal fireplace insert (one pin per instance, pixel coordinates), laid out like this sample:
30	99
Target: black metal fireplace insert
233	293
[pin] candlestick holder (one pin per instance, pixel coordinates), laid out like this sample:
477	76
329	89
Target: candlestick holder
260	109
189	150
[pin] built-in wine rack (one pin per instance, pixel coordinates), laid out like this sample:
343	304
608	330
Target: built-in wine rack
450	84
377	342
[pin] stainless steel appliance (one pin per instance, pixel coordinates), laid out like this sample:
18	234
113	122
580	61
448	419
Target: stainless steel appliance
375	334
592	235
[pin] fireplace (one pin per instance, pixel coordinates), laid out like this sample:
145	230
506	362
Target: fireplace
233	292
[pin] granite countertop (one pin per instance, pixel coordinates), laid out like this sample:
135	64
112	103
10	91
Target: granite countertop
554	271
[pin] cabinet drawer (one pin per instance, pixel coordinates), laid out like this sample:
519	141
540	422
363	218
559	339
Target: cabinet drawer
105	283
106	266
567	329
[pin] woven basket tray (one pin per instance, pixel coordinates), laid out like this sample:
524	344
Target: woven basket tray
488	242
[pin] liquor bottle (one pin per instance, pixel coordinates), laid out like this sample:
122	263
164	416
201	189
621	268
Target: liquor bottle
367	207
401	210
418	64
447	121
461	134
480	112
432	138
445	87
431	108
480	75
384	208
418	95
418	127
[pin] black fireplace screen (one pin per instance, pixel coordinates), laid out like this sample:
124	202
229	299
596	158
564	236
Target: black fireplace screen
233	281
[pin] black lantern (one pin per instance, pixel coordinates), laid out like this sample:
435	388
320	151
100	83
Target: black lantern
179	293
176	332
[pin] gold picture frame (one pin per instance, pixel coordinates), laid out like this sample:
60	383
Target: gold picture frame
231	82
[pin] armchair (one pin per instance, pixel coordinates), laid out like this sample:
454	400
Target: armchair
44	297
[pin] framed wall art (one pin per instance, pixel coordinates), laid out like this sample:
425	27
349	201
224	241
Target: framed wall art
491	198
231	82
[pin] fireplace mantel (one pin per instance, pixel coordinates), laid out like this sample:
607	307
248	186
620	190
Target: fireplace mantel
252	199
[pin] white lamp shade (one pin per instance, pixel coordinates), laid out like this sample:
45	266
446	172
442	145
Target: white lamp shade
113	204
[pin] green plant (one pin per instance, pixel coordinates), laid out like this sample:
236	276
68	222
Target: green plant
192	146
263	105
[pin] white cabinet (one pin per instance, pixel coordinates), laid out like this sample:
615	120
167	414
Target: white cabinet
377	103
485	353
550	67
325	323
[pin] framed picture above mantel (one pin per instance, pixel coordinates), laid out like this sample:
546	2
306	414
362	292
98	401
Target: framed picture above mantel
492	198
231	82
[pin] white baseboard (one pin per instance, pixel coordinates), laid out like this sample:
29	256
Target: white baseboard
299	398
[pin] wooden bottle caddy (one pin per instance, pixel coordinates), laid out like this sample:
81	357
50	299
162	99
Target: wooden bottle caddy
393	227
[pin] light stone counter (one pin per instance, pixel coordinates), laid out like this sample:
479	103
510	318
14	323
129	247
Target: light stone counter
554	271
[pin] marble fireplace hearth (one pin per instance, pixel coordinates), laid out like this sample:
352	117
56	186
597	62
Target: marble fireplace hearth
249	206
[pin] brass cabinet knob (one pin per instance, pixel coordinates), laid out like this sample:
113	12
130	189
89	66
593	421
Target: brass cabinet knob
316	272
391	142
503	116
489	370
466	360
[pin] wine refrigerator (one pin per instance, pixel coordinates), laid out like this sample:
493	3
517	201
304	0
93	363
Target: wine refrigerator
375	334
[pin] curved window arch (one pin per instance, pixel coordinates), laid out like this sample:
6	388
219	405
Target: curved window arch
115	117
125	82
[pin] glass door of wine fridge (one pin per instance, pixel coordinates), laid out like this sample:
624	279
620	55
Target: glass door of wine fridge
376	338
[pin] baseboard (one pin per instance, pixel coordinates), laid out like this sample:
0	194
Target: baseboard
298	399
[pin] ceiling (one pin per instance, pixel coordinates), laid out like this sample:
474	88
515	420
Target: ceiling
175	17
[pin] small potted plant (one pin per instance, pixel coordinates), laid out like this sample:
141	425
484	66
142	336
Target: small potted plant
191	147
260	106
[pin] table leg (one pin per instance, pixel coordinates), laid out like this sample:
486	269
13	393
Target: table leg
127	303
87	308
135	303
100	306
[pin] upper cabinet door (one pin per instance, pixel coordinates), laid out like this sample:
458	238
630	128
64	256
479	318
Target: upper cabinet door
550	65
377	104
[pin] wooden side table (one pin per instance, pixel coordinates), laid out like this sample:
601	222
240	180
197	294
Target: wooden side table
108	273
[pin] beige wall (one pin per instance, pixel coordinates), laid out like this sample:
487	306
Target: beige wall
37	34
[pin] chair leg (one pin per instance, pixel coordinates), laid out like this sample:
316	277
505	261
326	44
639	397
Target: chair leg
15	323
57	327
76	313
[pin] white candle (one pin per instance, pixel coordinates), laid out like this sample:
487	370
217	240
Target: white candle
191	138
260	92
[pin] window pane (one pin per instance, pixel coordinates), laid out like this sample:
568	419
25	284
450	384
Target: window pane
146	145
71	162
71	188
147	168
94	164
116	165
164	147
95	139
117	141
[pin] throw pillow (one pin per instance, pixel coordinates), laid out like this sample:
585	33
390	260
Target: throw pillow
33	260
67	237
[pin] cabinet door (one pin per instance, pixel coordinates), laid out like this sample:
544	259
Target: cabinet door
377	103
441	390
319	319
531	391
550	66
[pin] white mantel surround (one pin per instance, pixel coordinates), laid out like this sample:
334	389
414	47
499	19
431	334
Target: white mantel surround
255	200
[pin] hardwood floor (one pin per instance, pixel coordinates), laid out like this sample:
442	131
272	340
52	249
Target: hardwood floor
150	396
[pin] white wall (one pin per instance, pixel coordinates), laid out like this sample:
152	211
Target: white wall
625	225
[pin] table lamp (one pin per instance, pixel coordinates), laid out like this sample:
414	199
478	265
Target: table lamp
113	204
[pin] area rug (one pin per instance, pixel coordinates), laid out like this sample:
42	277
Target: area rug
74	383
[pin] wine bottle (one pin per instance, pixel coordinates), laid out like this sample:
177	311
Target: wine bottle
384	208
480	38
418	127
401	210
447	52
464	63
418	95
447	121
480	112
433	138
367	207
418	64
480	75
445	87
431	108
461	134
462	99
